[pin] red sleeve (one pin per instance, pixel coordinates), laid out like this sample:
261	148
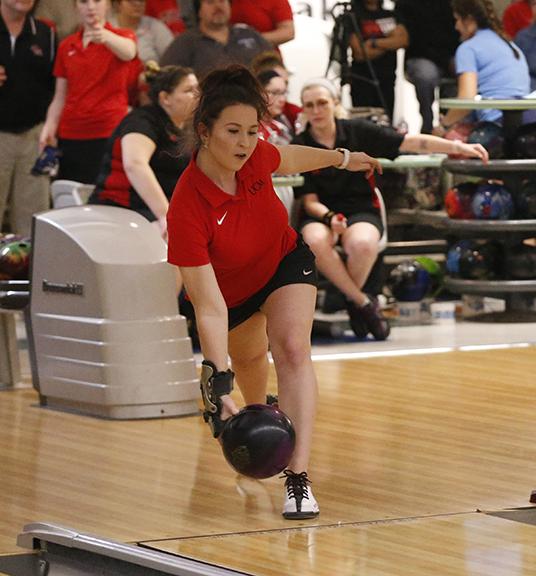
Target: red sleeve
281	11
124	32
188	233
266	157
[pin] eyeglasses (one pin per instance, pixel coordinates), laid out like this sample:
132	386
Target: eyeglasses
277	93
322	103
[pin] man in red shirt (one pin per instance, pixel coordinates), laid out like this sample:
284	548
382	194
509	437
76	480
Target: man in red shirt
516	17
168	11
272	18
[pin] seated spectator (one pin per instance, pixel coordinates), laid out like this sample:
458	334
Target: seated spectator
487	63
272	18
429	56
215	42
341	206
153	35
144	156
382	36
167	11
526	40
92	72
61	13
271	60
276	128
516	17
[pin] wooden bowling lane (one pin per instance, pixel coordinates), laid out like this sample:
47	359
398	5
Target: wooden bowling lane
396	437
455	545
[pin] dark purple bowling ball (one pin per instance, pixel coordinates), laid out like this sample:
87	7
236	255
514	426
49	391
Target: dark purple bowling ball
258	441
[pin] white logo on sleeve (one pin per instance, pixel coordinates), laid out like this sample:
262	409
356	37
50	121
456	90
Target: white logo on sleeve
220	220
307	272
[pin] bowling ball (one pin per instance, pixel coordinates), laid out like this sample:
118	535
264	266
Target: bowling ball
520	263
490	135
479	261
492	202
15	260
453	256
409	281
524	146
258	441
458	200
7	238
525	200
435	272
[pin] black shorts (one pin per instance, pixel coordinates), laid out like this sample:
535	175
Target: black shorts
297	267
373	218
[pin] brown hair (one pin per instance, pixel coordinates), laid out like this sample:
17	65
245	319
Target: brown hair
226	87
484	15
164	79
267	60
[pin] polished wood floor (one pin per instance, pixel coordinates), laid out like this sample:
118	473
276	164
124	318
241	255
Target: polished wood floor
408	453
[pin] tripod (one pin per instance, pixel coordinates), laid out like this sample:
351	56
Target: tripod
345	24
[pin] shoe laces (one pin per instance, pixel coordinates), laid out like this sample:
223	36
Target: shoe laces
296	484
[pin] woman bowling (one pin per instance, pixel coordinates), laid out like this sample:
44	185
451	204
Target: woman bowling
251	279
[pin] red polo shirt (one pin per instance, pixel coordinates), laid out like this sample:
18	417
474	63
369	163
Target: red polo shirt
97	87
244	237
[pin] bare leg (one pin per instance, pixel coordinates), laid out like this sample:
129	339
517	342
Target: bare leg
360	243
289	311
322	242
248	348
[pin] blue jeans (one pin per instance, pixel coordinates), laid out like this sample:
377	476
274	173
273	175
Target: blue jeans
425	76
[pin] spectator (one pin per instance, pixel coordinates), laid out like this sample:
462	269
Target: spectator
272	18
92	79
152	34
516	17
487	63
432	44
27	50
275	127
216	42
168	12
341	206
526	40
271	60
61	13
143	157
382	36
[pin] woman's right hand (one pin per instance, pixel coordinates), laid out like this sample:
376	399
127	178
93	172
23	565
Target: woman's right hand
361	162
47	138
3	76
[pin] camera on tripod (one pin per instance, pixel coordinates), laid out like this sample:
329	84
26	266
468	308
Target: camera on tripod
346	22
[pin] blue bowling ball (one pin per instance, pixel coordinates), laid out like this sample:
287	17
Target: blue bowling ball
492	202
409	281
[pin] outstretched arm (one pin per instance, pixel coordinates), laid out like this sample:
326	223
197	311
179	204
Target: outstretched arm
425	143
296	159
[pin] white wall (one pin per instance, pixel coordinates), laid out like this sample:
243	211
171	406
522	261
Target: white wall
307	56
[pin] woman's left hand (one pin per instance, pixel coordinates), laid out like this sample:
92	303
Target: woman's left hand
471	151
361	162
